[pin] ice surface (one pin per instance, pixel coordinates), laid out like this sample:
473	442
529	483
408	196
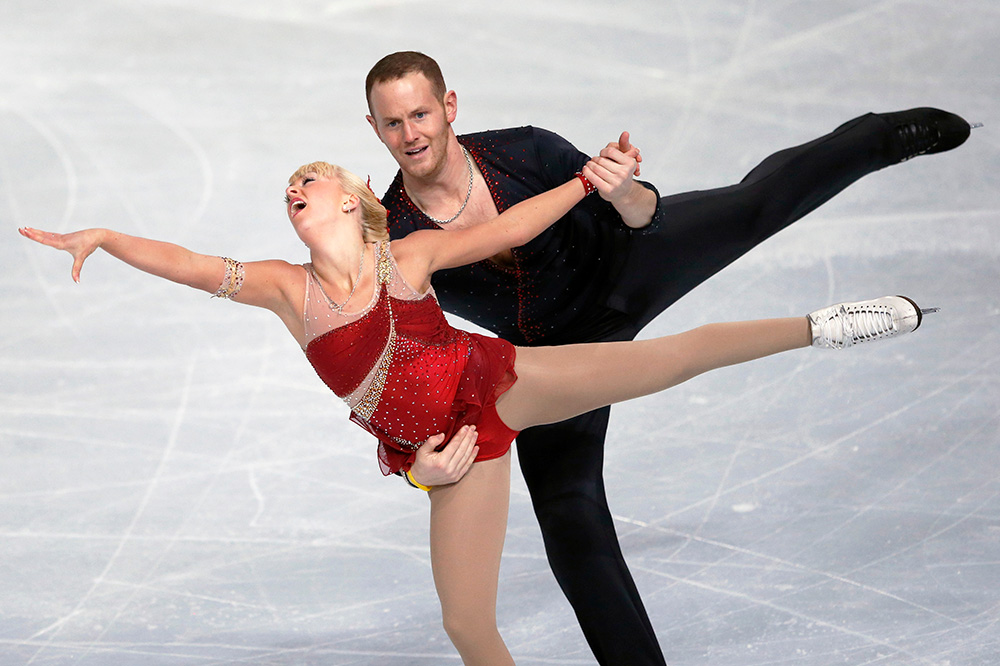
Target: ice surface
177	486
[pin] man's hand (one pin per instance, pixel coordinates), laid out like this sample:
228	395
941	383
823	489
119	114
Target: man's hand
440	468
625	147
611	173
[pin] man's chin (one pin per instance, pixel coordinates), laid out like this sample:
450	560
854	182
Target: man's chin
417	168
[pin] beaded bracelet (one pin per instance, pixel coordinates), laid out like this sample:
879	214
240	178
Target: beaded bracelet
588	187
232	282
413	482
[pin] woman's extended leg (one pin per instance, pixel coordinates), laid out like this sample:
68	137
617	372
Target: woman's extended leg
468	525
556	383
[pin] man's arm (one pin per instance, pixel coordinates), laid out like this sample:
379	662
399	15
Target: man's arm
612	173
432	467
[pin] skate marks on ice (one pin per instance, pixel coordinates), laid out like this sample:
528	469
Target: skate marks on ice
179	489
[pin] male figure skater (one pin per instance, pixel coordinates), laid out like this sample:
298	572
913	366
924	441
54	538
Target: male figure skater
601	273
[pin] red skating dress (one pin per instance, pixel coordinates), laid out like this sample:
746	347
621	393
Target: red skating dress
404	371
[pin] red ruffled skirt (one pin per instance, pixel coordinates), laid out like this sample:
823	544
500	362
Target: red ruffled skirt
445	402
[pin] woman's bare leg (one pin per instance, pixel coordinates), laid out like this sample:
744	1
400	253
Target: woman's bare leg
468	526
556	383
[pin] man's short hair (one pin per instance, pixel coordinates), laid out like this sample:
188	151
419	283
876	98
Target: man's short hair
397	65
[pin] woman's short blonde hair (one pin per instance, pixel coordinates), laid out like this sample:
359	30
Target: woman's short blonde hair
372	212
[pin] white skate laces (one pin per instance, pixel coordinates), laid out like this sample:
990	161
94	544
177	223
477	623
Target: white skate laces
847	324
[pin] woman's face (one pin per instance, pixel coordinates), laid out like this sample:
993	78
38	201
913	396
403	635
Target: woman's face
313	199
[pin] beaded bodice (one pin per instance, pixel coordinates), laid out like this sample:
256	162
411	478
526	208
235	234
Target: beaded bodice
396	362
320	316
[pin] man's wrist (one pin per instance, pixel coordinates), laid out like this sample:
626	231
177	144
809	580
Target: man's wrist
637	206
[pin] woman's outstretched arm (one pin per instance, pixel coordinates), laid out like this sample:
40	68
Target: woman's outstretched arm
263	285
431	250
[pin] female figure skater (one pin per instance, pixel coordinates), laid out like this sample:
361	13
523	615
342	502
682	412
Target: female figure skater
364	313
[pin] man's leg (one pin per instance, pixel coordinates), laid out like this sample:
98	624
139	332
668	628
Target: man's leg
696	234
562	465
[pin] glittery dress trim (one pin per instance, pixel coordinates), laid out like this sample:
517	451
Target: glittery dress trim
369	401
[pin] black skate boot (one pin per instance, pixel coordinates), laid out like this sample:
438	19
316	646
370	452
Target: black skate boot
924	131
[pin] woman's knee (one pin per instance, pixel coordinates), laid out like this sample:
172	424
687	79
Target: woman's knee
468	627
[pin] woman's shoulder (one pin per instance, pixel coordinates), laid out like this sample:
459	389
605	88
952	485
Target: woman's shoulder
406	263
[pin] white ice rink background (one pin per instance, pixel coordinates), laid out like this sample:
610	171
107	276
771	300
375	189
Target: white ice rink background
178	487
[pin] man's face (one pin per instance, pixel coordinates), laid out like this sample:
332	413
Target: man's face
412	123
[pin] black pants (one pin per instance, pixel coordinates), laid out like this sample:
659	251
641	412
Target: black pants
694	235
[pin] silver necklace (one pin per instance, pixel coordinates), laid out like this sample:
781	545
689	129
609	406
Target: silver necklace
468	163
339	309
